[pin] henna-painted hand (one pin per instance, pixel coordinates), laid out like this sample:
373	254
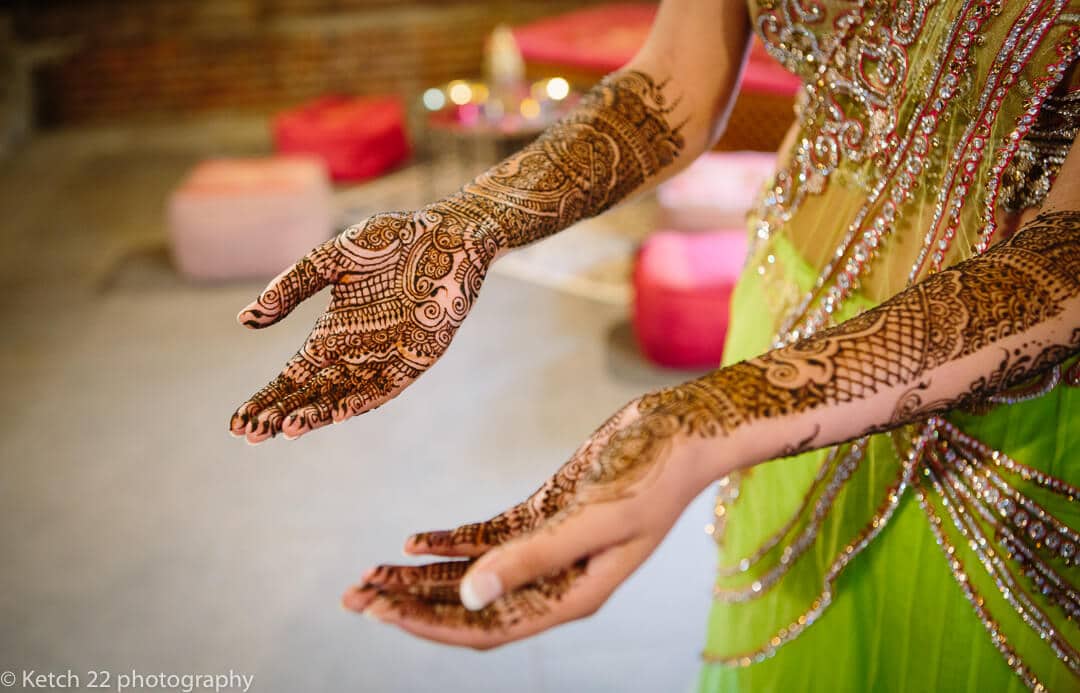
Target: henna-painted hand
557	556
401	284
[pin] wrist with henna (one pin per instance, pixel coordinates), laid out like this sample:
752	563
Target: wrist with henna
1015	311
618	138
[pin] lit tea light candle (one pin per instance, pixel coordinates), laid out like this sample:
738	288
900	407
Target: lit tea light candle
557	88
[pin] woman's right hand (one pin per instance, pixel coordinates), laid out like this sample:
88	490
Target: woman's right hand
401	284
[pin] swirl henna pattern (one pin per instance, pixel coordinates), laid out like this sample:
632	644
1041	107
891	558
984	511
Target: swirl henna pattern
1012	290
401	286
403	283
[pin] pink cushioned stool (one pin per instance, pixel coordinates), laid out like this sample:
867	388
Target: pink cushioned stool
682	292
357	138
241	218
714	192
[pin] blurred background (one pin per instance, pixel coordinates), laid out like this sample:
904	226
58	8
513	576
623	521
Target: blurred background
159	161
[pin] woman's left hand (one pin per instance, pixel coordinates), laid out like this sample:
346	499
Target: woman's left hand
559	555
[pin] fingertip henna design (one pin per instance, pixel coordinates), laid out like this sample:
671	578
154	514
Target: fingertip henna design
530	602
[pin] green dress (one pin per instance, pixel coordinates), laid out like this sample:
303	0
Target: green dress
942	556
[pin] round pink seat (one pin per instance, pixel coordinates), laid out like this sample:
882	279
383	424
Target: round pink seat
248	218
682	291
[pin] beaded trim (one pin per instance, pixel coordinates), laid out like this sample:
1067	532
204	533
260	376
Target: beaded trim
1000	641
840	475
863	539
1067	53
961	506
723	498
968	479
1025	35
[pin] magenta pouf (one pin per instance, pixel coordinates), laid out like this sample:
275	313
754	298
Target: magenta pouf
249	218
682	295
358	138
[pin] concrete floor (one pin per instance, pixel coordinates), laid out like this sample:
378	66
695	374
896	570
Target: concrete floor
135	534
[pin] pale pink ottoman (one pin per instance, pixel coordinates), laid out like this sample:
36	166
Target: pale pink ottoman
248	218
682	292
714	192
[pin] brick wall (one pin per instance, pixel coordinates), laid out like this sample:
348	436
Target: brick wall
153	58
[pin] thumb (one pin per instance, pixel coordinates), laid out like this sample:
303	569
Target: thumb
287	290
546	551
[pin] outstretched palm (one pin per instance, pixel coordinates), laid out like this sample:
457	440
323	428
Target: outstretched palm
401	285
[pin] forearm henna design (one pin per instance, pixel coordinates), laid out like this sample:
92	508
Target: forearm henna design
403	283
618	138
1018	285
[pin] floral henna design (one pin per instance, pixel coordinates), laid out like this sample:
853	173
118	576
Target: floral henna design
401	284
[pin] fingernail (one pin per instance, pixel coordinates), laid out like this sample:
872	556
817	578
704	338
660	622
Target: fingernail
480	589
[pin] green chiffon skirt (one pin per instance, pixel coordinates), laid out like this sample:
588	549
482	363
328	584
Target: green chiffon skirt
870	601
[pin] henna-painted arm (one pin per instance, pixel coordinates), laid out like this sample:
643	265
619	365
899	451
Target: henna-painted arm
637	127
952	340
402	284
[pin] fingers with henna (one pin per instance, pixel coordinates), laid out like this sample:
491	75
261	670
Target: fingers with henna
351	396
433	582
571	593
296	372
520	561
477	538
287	290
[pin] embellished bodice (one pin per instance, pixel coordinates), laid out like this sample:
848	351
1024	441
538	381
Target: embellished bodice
925	131
911	122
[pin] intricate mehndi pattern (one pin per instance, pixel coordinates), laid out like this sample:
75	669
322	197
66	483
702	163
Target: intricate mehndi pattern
599	154
1012	288
403	283
401	286
408	592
